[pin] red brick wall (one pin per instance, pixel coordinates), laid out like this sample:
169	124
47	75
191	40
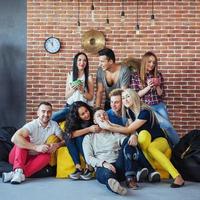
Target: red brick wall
175	39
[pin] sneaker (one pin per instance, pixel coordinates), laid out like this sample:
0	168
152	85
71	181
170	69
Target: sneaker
6	177
76	174
87	175
142	174
18	177
154	177
116	187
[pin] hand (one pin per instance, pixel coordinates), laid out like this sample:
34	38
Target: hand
150	83
109	166
43	148
133	141
95	129
104	124
53	147
81	89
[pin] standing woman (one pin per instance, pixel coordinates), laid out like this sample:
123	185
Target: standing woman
149	84
79	86
150	137
79	122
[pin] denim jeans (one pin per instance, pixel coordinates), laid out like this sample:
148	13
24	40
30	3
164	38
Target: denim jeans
126	165
164	121
75	148
60	115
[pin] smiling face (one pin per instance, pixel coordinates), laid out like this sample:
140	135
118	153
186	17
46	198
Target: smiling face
84	113
81	62
127	100
105	63
100	116
44	114
116	103
151	63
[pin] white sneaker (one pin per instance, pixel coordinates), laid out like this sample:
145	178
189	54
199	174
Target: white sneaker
154	177
142	174
116	187
6	177
18	177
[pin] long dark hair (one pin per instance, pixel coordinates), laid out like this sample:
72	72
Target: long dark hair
73	120
75	68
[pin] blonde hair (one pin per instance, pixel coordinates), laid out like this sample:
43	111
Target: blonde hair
143	69
137	106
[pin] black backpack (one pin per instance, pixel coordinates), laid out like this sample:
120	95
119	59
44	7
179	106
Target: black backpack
186	156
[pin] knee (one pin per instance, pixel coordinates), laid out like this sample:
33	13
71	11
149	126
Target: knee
144	139
46	157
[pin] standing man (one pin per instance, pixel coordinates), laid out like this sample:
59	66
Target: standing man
115	113
30	152
110	75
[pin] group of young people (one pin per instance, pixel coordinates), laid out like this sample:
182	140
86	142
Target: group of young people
111	140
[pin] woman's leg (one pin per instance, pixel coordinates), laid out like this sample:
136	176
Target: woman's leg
73	150
60	115
164	121
157	150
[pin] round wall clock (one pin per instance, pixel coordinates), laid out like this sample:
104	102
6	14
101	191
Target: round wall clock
52	45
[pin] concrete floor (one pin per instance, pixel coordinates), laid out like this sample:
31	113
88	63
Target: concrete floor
65	189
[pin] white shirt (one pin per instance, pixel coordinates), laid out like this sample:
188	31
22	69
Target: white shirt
38	134
77	96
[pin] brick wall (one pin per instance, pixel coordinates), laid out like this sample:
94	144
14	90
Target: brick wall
175	38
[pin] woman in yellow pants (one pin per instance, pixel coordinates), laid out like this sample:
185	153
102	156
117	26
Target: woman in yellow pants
158	150
142	118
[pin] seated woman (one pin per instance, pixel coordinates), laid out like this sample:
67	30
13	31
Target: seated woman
79	122
144	119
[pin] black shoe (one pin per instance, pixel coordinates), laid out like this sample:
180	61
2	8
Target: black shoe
174	185
142	174
154	177
76	174
87	175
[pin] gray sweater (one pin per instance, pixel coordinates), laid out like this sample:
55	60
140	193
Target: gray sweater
100	147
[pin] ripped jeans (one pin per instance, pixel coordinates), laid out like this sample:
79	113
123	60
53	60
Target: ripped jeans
130	160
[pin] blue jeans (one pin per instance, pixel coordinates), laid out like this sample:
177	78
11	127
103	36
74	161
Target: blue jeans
164	121
126	165
75	148
60	115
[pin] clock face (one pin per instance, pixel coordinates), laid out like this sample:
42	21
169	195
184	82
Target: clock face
52	45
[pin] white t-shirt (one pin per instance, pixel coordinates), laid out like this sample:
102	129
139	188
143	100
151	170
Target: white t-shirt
38	134
77	96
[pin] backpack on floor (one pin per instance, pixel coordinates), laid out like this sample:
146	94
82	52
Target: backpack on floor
186	156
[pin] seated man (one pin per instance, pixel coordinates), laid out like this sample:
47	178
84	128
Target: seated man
115	113
111	156
30	153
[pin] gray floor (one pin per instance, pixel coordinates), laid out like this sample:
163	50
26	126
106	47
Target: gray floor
65	189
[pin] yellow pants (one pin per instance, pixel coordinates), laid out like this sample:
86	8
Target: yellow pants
157	150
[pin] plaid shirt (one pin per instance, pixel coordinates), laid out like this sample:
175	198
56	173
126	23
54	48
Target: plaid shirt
151	97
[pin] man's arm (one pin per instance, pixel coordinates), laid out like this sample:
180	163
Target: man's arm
125	78
89	152
99	94
19	139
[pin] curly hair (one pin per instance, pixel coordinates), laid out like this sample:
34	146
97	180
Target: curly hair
73	120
